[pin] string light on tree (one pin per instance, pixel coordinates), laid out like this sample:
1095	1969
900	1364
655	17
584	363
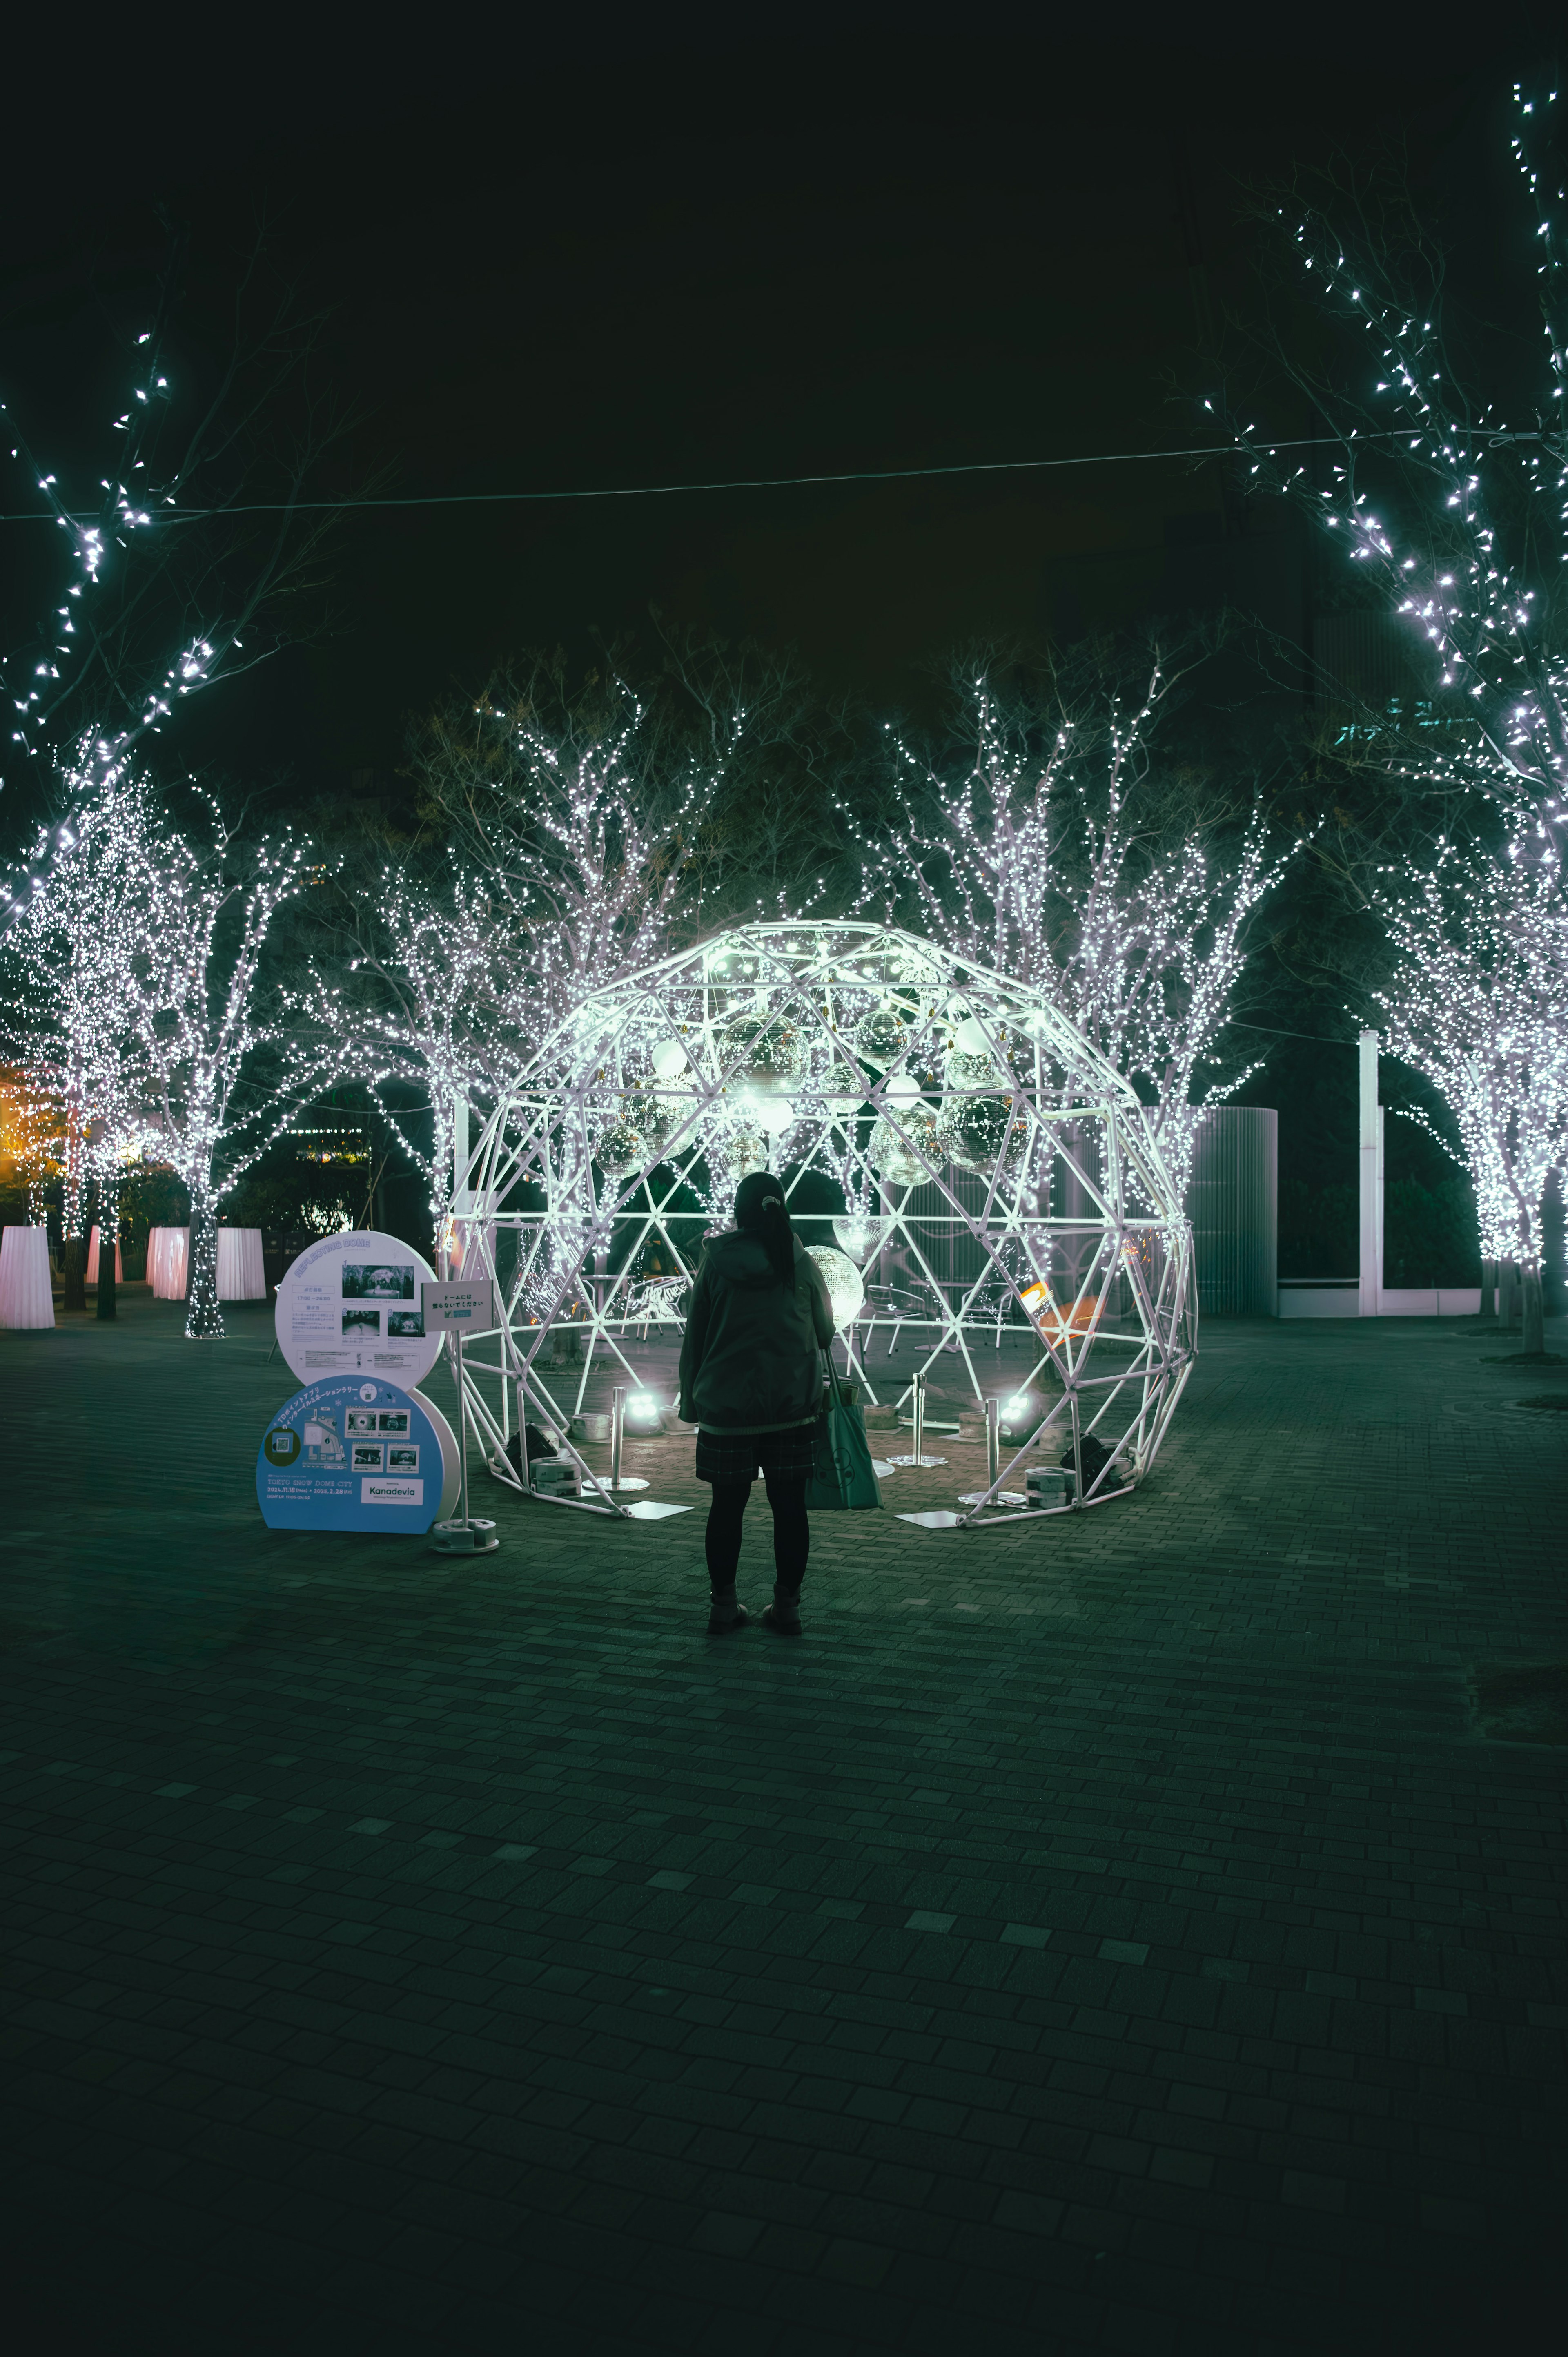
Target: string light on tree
1478	1003
1042	859
1473	566
139	966
68	1001
151	559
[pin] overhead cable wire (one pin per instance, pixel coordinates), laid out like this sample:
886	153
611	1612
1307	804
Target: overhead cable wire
737	483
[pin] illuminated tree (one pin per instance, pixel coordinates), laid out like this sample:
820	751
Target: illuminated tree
215	1056
573	848
189	545
581	842
28	1143
1061	856
67	1003
431	996
1460	515
139	1007
1477	1002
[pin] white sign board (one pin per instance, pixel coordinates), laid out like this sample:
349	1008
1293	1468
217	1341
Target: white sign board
464	1306
352	1306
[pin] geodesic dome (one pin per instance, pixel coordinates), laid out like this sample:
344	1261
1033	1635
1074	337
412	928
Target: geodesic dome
993	1174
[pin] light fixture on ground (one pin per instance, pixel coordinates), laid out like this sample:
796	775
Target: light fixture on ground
643	1414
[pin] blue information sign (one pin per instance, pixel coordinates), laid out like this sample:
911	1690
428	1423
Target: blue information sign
350	1455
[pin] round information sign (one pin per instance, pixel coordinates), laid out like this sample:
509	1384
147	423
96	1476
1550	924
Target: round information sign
352	1305
351	1454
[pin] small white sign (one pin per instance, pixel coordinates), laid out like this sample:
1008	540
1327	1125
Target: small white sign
468	1307
373	1492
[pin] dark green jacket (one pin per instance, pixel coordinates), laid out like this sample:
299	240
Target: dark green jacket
751	1359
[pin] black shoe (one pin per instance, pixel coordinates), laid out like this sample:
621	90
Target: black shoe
726	1614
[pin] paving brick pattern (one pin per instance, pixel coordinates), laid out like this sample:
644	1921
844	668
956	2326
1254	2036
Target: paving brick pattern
1111	1933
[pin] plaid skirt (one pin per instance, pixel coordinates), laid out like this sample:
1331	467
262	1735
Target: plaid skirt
737	1456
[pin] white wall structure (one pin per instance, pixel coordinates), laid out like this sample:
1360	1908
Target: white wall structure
1370	1195
1367	1296
997	1175
1233	1201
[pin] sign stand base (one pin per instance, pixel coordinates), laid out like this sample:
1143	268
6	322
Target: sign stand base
475	1536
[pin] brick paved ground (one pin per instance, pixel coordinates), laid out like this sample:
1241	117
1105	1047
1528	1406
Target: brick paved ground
1116	1934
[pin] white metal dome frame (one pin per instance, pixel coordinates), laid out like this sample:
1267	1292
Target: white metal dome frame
963	1117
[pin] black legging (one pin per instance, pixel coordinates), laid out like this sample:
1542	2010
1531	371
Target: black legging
791	1531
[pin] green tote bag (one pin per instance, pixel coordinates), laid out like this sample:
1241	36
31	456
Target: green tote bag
842	1477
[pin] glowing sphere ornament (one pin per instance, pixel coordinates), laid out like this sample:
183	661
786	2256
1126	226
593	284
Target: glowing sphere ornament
897	1147
965	1069
631	1139
841	1088
846	1292
884	1035
767	1055
740	1150
977	1132
860	1233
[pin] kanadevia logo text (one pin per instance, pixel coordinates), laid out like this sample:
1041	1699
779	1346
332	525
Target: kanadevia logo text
373	1492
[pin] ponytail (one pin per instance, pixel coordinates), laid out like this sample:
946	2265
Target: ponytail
760	1211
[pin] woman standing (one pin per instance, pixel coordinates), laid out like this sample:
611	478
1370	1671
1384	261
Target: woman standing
751	1381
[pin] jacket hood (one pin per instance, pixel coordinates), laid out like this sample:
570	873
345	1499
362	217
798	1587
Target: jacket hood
741	1260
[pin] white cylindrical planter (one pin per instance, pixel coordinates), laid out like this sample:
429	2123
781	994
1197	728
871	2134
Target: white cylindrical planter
168	1253
24	1295
240	1275
91	1277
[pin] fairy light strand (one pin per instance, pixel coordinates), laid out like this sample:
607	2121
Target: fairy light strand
1037	862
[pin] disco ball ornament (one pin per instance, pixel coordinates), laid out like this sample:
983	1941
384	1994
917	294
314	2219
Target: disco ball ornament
860	1233
892	1151
978	1132
846	1294
841	1087
631	1139
768	1055
883	1035
670	1061
742	1150
964	1070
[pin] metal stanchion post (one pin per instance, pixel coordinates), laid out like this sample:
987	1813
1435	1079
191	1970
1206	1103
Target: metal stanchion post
465	1535
620	1483
918	1455
462	1429
991	1495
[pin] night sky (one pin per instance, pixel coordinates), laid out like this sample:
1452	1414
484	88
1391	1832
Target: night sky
623	256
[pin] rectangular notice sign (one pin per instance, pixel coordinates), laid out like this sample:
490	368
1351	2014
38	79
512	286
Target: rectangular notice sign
391	1493
468	1306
